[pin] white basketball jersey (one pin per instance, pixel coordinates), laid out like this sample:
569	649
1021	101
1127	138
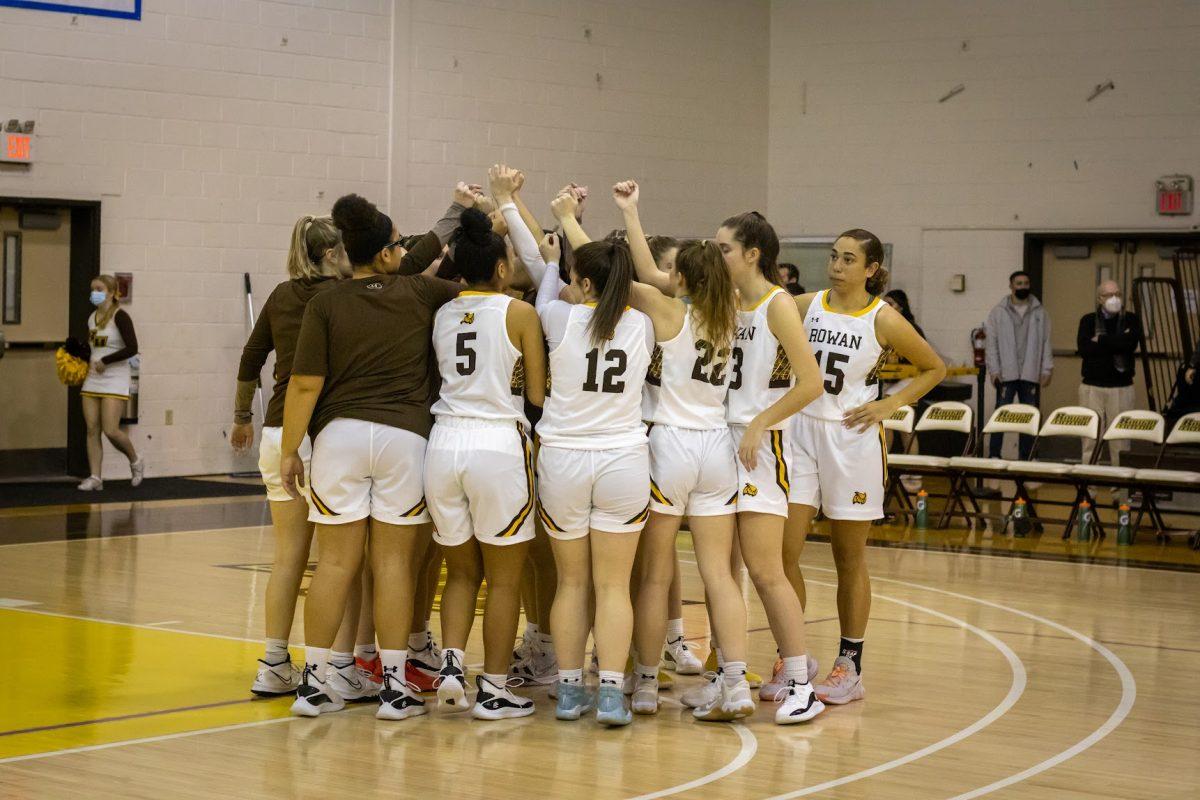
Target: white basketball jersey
692	378
848	354
595	399
483	374
759	372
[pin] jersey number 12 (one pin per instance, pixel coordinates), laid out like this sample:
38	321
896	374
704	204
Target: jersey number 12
613	381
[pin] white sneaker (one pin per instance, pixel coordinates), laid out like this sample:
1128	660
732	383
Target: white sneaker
842	685
731	702
451	685
275	680
704	694
432	646
678	658
399	699
138	470
497	702
774	688
352	683
314	697
91	484
645	696
538	669
799	705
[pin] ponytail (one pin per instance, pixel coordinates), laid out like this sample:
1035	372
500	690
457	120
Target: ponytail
714	304
312	238
609	267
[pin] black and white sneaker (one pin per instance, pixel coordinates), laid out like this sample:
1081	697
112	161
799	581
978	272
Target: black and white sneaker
497	702
314	697
451	683
275	680
799	705
398	699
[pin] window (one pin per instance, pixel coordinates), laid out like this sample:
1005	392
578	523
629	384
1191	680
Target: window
12	279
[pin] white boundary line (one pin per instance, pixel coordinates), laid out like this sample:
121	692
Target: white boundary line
747	751
1128	689
143	626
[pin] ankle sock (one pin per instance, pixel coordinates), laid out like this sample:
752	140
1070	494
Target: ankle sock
852	649
276	652
341	660
795	668
366	652
614	678
734	672
570	675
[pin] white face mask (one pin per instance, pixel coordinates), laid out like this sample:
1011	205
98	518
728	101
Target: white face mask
1113	305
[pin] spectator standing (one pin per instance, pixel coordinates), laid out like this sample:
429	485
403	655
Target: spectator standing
1107	340
1018	352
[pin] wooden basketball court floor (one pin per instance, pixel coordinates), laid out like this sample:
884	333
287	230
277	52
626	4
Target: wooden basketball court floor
130	635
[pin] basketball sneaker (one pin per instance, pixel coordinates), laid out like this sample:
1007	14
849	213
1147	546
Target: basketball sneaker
705	693
525	648
610	706
374	666
398	699
800	704
314	697
421	669
678	657
773	688
538	669
645	696
497	702
353	682
842	685
432	646
91	484
574	700
730	703
137	470
451	683
275	680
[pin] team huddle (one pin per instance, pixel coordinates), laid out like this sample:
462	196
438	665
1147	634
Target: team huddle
541	411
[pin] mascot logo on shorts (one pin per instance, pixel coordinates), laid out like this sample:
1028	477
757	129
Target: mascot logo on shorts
750	490
468	318
860	498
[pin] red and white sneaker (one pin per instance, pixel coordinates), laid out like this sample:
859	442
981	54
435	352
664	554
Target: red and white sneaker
842	685
421	675
374	666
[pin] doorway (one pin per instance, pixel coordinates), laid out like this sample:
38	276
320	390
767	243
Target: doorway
49	253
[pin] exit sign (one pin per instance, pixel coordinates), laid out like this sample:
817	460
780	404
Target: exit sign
16	148
1174	195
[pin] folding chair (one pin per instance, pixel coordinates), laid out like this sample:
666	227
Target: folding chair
901	421
1012	418
1186	431
947	415
1076	422
1147	426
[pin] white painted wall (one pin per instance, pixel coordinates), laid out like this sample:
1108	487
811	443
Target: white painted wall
858	138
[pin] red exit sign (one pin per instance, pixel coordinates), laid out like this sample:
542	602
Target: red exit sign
1174	195
16	148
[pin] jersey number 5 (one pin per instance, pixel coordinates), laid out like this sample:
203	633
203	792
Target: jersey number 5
836	379
463	349
613	376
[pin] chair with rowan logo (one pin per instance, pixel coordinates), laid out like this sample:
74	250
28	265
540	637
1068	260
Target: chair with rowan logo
1018	418
1146	426
1072	422
949	416
900	422
1186	432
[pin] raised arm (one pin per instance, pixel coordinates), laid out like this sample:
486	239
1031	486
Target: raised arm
503	182
551	284
530	220
666	313
564	207
787	325
626	195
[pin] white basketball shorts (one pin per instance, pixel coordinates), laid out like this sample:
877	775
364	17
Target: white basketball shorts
269	456
692	472
582	490
838	469
764	489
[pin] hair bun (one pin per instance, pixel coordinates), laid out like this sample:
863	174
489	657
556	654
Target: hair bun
355	213
476	227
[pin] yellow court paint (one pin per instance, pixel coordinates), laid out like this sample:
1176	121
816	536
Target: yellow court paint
82	683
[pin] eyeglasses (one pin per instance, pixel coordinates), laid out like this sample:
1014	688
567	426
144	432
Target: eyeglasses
390	245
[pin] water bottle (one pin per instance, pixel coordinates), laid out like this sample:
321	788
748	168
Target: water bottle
921	519
1084	532
1124	528
1019	519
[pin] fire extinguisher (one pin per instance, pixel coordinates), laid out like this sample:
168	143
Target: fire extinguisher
979	345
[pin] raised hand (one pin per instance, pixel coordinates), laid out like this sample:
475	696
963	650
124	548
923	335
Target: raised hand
550	248
520	181
464	194
503	181
565	205
625	194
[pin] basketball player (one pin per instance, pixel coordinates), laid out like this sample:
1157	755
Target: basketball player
768	348
361	379
693	465
105	391
479	466
840	463
593	467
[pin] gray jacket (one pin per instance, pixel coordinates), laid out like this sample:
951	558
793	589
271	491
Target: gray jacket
1018	348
